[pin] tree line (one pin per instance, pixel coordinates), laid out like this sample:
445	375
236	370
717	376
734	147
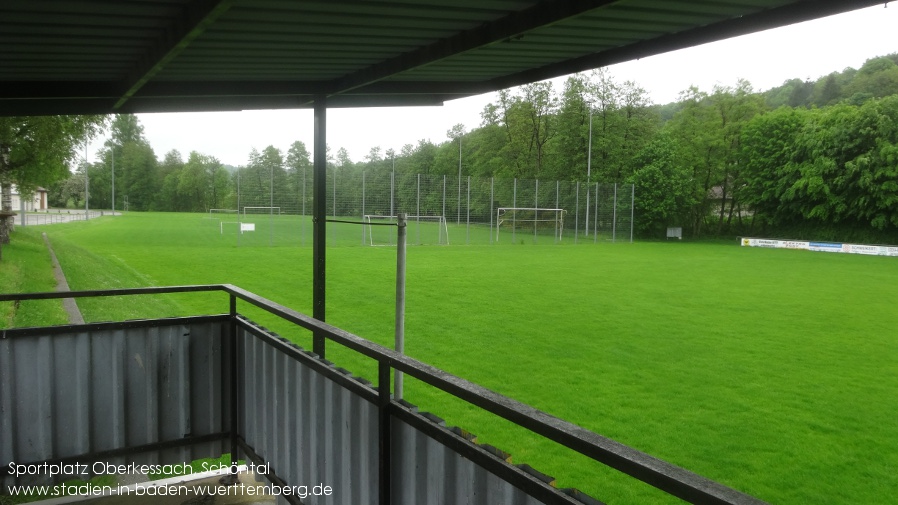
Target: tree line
806	159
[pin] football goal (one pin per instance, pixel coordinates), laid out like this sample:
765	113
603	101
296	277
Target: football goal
262	210
425	226
537	219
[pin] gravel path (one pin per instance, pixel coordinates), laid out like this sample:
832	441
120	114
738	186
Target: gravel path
68	304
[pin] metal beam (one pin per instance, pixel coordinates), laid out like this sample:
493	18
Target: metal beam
53	107
319	220
542	14
29	90
198	16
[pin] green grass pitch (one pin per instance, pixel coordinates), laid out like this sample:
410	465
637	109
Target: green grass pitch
771	371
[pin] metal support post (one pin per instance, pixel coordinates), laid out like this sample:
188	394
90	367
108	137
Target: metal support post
400	296
319	220
234	385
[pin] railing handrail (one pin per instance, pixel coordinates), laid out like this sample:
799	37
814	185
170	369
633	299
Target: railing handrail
658	473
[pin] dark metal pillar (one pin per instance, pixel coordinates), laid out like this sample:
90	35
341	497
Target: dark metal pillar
234	394
384	430
319	218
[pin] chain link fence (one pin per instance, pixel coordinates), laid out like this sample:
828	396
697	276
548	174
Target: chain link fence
275	209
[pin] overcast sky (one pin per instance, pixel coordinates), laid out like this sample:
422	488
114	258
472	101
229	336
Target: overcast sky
766	59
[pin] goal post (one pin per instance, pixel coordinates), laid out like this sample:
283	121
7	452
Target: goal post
434	225
535	218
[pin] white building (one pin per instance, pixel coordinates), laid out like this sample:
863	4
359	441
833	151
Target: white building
33	202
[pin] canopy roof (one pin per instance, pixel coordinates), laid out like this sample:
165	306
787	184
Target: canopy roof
125	56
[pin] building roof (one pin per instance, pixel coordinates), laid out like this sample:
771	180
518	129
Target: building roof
126	56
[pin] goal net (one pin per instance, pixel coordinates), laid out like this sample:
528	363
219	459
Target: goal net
534	220
421	230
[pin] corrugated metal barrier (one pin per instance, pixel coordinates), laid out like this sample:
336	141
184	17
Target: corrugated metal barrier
174	390
116	393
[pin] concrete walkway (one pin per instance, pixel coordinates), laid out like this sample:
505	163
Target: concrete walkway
68	304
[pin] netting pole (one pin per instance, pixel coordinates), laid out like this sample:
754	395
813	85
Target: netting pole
271	205
334	232
577	212
444	196
514	203
418	208
632	204
393	184
535	206
492	200
364	228
238	206
595	222
400	299
557	206
458	221
468	203
303	231
111	151
87	184
614	217
588	172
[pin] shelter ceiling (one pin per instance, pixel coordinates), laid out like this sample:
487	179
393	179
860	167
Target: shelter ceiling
118	56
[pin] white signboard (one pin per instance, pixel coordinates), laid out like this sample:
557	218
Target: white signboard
874	250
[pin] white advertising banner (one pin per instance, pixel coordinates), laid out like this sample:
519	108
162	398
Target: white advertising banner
875	250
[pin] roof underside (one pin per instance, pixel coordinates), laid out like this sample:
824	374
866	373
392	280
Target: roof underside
125	56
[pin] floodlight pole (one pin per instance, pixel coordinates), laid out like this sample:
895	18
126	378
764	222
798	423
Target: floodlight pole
400	299
392	182
588	170
113	180
459	180
86	184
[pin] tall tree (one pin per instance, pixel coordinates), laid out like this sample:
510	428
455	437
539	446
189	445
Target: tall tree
734	107
203	183
664	185
299	172
572	126
140	182
36	151
168	178
604	127
126	130
264	180
541	106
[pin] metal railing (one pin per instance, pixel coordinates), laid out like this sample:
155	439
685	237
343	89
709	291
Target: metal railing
660	474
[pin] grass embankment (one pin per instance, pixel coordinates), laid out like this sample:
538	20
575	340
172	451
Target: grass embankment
771	371
26	268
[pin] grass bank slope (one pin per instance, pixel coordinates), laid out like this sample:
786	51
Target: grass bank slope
26	268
